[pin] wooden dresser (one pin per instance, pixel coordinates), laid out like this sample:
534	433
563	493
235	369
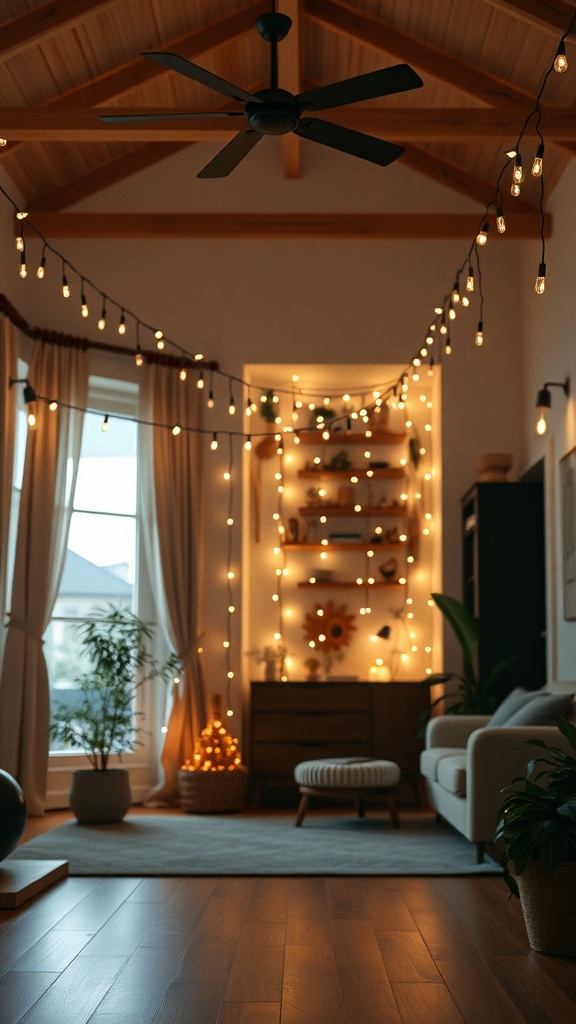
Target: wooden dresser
300	721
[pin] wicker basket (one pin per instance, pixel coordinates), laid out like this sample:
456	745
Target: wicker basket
212	792
549	906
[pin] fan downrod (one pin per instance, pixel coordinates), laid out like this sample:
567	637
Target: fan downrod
273	27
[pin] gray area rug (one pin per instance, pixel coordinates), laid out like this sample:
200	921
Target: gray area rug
265	845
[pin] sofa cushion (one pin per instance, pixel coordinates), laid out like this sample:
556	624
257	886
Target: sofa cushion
431	758
515	701
544	709
452	773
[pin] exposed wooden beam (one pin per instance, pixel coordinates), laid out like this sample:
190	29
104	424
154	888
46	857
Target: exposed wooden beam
38	25
430	60
553	16
278	225
454	177
104	176
290	78
137	72
403	124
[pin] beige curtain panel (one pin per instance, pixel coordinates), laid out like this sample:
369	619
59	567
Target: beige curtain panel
50	468
8	371
171	494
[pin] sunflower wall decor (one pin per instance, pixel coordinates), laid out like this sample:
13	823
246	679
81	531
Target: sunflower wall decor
328	629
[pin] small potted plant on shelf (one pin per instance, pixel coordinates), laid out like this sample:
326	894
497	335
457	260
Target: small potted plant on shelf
102	721
537	830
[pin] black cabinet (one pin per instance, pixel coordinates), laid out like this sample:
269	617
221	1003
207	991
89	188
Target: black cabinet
504	578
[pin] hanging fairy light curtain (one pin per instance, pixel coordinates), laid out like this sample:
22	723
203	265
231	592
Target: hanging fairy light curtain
8	372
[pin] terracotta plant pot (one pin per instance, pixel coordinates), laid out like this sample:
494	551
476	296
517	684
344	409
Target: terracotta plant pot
100	797
549	906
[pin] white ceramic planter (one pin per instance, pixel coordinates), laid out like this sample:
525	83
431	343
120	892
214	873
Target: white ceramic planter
100	797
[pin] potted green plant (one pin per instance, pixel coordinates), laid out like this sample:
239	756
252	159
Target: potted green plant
475	693
103	720
537	830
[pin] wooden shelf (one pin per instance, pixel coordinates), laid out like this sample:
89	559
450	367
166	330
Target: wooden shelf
344	546
342	437
352	585
349	510
391	473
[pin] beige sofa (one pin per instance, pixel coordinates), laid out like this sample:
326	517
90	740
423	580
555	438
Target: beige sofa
467	761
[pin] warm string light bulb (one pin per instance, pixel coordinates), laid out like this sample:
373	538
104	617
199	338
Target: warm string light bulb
83	304
42	266
470	279
482	236
122	324
102	320
560	60
500	222
23	267
479	339
104	427
538	165
183	373
517	176
65	285
540	285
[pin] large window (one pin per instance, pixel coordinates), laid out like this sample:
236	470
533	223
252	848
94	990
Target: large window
101	562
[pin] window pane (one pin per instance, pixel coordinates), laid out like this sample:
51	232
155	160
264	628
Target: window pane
108	541
107	473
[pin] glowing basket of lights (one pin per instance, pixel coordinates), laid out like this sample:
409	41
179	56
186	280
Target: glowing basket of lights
212	792
214	780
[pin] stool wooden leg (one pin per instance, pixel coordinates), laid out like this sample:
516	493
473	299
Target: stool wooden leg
391	804
303	807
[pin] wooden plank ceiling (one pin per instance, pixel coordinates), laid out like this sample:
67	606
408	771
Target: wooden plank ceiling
64	63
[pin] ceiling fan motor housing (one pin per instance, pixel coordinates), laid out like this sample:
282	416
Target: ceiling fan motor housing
273	27
277	114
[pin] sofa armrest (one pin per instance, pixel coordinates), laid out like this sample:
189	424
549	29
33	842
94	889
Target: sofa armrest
496	756
453	730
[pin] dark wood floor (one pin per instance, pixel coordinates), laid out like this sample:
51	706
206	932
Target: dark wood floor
276	951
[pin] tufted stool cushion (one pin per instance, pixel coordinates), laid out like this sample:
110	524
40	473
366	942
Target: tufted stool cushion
348	772
347	776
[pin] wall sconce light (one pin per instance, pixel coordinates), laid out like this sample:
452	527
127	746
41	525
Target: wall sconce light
544	402
30	399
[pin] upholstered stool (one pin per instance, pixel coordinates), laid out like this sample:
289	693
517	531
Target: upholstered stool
348	778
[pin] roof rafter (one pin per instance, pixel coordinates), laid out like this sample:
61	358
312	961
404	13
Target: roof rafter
553	16
137	72
373	32
35	26
401	125
278	225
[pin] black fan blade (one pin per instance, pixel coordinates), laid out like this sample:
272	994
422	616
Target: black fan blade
198	74
386	82
348	141
228	158
118	118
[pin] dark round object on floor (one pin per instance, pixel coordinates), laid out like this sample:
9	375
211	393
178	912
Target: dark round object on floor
12	814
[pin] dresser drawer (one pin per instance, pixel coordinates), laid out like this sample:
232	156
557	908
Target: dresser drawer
310	725
281	758
310	697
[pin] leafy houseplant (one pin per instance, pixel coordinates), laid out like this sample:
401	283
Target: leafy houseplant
104	720
537	829
475	694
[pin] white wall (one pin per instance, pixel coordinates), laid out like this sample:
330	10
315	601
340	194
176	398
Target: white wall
252	301
550	355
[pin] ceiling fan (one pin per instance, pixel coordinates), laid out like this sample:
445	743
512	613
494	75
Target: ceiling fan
276	111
